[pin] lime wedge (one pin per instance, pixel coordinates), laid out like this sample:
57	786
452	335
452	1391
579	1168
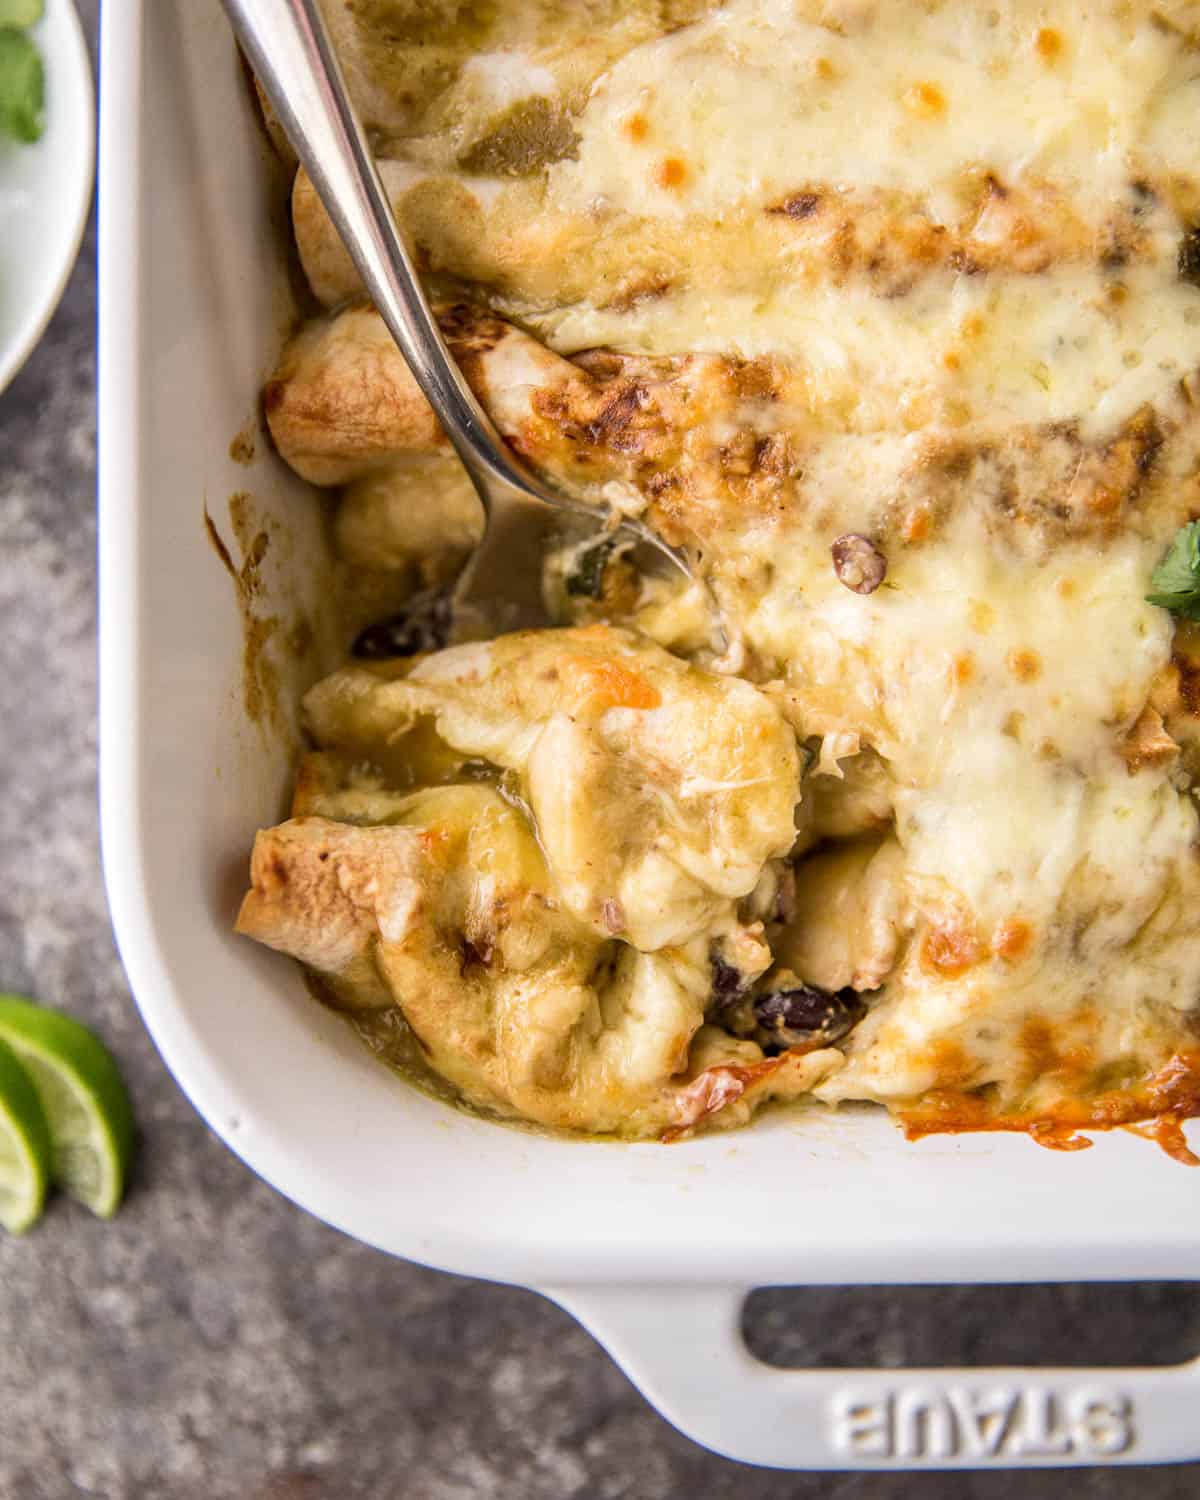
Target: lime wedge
83	1098
25	1151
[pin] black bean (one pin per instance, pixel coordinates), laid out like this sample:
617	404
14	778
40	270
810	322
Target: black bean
1189	256
474	953
802	1015
728	983
425	627
858	563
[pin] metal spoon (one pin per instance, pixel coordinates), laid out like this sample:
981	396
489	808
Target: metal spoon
291	53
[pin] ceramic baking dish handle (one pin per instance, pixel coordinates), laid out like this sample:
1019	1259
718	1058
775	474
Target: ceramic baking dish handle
683	1348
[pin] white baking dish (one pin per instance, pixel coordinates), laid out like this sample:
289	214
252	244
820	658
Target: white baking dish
652	1247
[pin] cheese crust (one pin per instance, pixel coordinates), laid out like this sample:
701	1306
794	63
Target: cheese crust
889	312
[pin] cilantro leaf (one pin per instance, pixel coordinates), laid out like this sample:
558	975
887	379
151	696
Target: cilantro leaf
585	577
21	13
1176	580
22	87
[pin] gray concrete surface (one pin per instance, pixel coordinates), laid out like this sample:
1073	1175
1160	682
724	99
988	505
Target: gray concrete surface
214	1343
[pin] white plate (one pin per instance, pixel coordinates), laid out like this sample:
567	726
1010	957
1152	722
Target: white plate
45	190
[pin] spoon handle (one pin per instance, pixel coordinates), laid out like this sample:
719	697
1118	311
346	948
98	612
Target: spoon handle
290	51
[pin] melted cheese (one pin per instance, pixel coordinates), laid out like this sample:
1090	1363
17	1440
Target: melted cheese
966	638
659	792
498	80
998	694
1018	902
758	100
1052	348
766	95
